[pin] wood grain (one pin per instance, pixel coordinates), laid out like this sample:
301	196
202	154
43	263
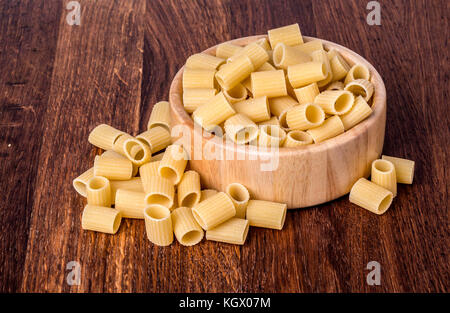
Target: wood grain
59	81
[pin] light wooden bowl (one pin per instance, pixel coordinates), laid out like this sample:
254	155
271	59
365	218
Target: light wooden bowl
305	176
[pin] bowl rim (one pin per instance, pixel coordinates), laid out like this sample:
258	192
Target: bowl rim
378	106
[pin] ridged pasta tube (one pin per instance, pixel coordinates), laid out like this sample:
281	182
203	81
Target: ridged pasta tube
134	184
158	224
361	87
357	71
233	231
297	138
321	56
289	35
266	214
236	94
214	112
130	203
310	46
231	74
339	67
159	190
113	168
271	136
284	55
359	112
336	102
383	174
80	182
268	83
332	127
207	193
193	98
257	54
99	191
241	129
198	78
173	163
404	169
157	138
304	74
137	151
226	50
160	115
280	104
307	94
214	210
240	196
305	116
189	189
187	231
370	196
101	219
104	136
256	109
204	61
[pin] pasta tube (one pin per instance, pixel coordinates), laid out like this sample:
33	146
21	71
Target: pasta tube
280	104
404	169
113	154
214	112
99	191
233	231
305	116
207	193
273	121
157	138
186	229
137	151
361	87
257	54
160	115
359	112
336	86
284	55
134	184
231	74
241	129
256	109
159	190
332	127
214	210
335	101
271	136
226	50
193	98
289	35
269	83
118	146
158	224
148	170
370	196
383	174
236	94
173	163
321	56
240	197
130	203
263	42
266	214
157	157
307	94
357	71
304	74
339	67
204	61
310	46
104	136
297	138
101	219
189	189
80	182
198	78
113	168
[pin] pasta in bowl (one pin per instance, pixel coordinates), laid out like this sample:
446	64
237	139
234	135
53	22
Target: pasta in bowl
290	132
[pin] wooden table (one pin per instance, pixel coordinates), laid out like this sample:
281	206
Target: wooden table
58	81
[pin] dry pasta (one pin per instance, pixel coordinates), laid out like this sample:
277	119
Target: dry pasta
310	46
193	98
157	138
99	191
101	219
321	56
226	50
240	197
104	136
383	174
370	196
257	54
186	229
297	138
359	112
357	71
231	74
305	116
263	42
266	214
339	67
118	146
336	86
271	136
233	231
137	151
330	128
289	35
113	168
204	61
134	184
241	129
207	193
307	94
160	115
173	163
404	169
198	78
360	87
80	182
284	55
159	190
257	109
214	210
335	101
236	94
303	74
130	203
268	83
273	121
158	224
280	104
214	112
189	189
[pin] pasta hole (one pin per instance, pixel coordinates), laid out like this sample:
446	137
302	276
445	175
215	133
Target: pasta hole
299	136
357	90
247	134
238	92
360	72
158	199
384	205
278	54
238	192
314	114
198	219
344	102
190	200
116	223
168	173
157	212
191	238
283	121
97	183
383	166
80	187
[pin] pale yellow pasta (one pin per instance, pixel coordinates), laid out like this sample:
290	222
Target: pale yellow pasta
157	157
273	121
175	203
158	224
280	104
336	86
226	50
370	196
240	197
332	53
104	136
359	112
339	67
214	210
207	193
99	191
361	87
193	98
305	116
268	83
284	55
271	136
241	129
404	169
297	138
113	168
159	190
307	94
186	229
148	170
321	56
134	184
310	46
358	71
266	214
257	109
270	53
383	174
231	74
330	128
137	151
303	74
233	231
336	102
214	112
282	119
130	203
80	182
204	61
114	154
173	163
160	115
289	35
257	54
101	219
263	42
118	146
266	67
157	138
198	78
236	94
189	189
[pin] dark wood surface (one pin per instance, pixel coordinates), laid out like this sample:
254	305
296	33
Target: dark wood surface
58	81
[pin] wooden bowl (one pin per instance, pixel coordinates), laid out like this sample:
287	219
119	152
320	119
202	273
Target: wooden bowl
305	176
